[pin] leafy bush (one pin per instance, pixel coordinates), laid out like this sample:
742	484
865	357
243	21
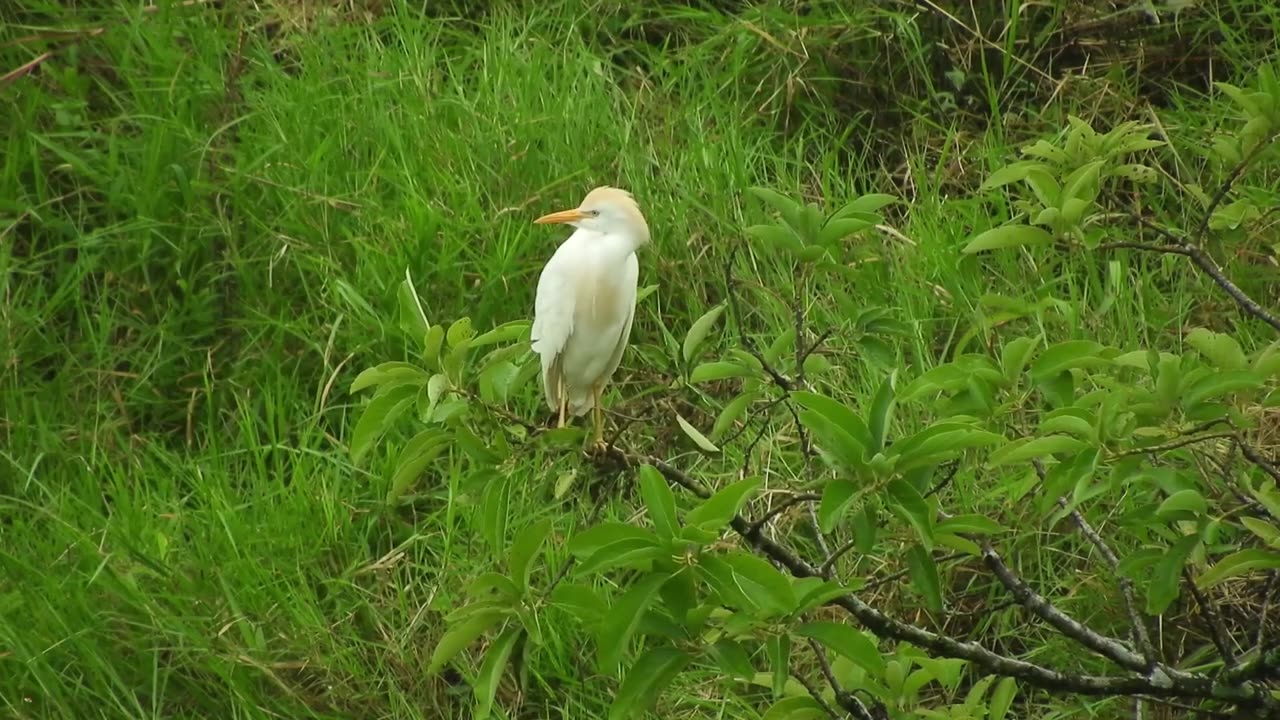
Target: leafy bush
1150	458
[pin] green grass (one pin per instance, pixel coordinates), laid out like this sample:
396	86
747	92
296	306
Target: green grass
203	220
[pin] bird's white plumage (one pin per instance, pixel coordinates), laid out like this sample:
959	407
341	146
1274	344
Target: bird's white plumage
583	314
586	298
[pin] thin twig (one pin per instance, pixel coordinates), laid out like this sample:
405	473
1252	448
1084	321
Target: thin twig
816	694
825	568
847	700
1174	445
1268	600
1141	636
1217	631
1146	247
781	507
1257	458
907	571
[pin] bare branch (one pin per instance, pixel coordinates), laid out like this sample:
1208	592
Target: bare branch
1145	247
1161	683
1248	304
1109	648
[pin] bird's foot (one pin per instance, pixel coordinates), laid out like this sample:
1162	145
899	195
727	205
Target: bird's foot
598	446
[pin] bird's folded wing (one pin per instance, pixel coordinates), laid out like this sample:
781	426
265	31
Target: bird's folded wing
552	312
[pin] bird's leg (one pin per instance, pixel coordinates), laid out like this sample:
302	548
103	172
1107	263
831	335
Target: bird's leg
564	401
596	392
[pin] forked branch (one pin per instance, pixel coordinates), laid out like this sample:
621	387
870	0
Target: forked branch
1157	684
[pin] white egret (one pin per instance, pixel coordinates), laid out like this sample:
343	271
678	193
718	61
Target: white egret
586	301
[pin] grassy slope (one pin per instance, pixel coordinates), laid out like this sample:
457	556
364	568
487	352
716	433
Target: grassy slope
205	254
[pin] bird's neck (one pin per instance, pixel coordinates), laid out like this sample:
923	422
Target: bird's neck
616	245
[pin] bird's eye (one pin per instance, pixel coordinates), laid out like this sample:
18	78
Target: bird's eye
593	213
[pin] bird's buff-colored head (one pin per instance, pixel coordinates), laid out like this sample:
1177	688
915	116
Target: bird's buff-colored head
606	210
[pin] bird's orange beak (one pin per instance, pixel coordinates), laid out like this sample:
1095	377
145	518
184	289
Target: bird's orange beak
564	216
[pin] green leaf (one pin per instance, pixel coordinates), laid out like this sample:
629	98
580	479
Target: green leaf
1185	504
460	636
388	372
1018	171
779	648
837	429
378	415
968	524
870	203
1065	356
733	659
940	442
460	332
1007	236
1220	349
767	587
911	504
1239	563
840	228
494	500
720	370
1026	449
413	320
416	455
431	346
837	495
882	413
698	331
645	681
1269	533
580	600
1218	384
623	553
624	617
715	512
495	663
698	438
592	539
799	707
821	594
778	236
848	642
1002	699
733	411
789	209
924	576
1015	356
1167	576
504	333
1082	183
525	547
487	583
1069	421
660	501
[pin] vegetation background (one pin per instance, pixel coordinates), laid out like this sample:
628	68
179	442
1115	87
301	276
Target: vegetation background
207	209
